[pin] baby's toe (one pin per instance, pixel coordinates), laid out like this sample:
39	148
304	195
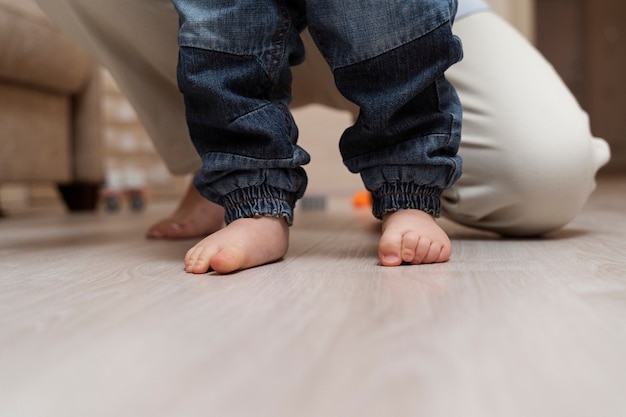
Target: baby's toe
433	253
390	250
410	244
228	260
198	260
426	251
422	251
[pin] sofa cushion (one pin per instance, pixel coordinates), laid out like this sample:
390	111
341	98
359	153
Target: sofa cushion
33	51
35	141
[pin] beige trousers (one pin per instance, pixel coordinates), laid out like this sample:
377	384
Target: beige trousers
529	158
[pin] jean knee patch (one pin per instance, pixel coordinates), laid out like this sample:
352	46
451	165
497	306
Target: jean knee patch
406	79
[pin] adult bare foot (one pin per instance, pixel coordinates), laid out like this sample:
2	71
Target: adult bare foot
242	244
412	236
195	216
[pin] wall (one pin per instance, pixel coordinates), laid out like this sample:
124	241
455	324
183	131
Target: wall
587	48
521	13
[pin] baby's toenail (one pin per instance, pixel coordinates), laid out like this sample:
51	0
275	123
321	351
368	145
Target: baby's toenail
391	258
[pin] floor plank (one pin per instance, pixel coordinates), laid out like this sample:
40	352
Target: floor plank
97	321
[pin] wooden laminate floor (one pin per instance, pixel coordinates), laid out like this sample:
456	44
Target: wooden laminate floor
97	321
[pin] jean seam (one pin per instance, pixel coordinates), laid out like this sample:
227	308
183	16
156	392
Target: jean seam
279	41
386	51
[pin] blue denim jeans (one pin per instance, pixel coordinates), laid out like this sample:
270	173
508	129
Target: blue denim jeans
387	56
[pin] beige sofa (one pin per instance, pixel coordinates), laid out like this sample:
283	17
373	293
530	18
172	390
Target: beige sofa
50	107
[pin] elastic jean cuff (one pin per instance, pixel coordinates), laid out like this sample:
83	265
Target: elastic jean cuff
258	201
402	196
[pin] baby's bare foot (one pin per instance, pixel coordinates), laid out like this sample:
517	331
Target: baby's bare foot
412	236
242	244
195	216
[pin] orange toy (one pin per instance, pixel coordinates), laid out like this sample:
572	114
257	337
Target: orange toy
362	199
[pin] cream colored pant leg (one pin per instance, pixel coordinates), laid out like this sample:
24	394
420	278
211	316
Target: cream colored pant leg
529	157
136	40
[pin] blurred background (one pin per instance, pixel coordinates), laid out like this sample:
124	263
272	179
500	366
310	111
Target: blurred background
583	39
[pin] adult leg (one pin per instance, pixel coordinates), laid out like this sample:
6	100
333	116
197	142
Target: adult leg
529	158
136	41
